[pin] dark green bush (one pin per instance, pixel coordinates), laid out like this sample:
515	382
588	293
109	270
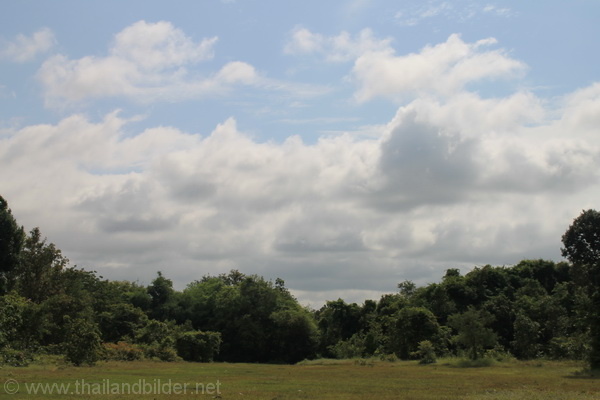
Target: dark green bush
198	346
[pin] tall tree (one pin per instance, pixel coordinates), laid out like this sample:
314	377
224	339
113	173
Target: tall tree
12	237
40	266
582	248
412	325
473	331
162	298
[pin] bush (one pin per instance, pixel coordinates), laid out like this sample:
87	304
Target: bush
498	353
15	358
571	348
426	352
386	357
122	351
157	342
198	346
351	348
83	345
162	352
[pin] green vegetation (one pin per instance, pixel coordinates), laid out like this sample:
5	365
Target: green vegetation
319	379
534	309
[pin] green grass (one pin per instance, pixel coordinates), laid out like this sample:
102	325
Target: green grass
319	379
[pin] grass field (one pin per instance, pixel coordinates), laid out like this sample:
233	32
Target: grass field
323	379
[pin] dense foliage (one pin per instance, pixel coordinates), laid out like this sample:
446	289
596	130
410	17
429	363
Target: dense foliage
535	308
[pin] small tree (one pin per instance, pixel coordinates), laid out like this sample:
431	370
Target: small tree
527	333
473	332
83	344
426	352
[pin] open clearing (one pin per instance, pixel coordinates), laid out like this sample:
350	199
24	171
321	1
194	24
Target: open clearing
310	380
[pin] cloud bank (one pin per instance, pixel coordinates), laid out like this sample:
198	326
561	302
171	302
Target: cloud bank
454	179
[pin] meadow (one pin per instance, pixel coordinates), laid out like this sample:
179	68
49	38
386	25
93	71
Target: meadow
320	379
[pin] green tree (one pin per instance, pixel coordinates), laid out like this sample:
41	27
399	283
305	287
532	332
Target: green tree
525	346
582	248
198	346
259	321
120	321
473	331
426	352
407	288
158	340
582	239
83	344
41	263
12	237
412	325
295	335
337	320
12	308
162	298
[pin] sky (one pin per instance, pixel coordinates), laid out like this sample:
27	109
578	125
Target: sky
343	146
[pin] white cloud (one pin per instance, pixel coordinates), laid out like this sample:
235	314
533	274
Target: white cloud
26	48
156	46
341	48
150	62
447	183
442	69
147	62
453	180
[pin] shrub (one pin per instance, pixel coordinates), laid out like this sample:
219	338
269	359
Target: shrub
498	353
122	351
572	348
156	340
351	348
15	358
198	346
426	352
160	351
83	345
386	357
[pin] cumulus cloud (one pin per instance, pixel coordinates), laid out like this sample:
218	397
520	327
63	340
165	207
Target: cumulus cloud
452	180
445	184
146	62
159	45
443	69
26	48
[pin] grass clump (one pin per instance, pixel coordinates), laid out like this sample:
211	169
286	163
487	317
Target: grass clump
468	363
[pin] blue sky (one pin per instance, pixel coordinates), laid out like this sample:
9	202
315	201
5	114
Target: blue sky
344	146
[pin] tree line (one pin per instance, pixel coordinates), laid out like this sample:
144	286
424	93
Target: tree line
537	308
